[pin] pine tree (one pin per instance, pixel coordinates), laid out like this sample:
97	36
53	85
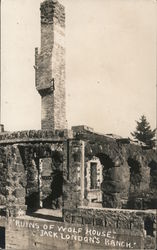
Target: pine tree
143	132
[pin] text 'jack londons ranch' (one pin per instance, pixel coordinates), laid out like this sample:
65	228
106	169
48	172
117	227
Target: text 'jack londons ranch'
83	234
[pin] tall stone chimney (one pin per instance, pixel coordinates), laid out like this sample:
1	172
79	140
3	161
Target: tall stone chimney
50	66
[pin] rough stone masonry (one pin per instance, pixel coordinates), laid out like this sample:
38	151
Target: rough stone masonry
50	66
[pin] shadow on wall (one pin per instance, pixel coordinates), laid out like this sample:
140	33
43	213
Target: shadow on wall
153	174
135	175
134	202
140	198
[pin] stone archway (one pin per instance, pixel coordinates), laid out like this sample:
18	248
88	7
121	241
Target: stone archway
113	181
110	185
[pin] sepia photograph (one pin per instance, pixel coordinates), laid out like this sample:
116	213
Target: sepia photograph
78	124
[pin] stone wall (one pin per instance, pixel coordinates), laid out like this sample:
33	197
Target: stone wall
126	222
21	156
83	229
38	234
63	161
34	136
3	176
14	180
23	185
129	171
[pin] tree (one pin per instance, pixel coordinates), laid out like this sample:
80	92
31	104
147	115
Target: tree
143	132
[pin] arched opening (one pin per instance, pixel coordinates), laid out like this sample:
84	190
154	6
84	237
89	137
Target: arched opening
99	183
105	160
107	164
135	174
153	174
111	186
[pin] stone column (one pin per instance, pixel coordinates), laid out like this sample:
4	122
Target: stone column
74	187
50	66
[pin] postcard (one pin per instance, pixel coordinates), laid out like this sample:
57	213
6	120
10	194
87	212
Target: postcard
78	160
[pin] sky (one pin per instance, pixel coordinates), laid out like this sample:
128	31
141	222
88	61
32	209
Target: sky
110	64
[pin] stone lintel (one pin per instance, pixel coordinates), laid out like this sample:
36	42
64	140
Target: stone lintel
35	136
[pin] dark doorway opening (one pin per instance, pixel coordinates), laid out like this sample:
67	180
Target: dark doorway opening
54	200
93	175
2	237
32	202
135	174
148	226
51	181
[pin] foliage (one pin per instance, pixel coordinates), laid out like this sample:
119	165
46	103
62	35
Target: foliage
143	132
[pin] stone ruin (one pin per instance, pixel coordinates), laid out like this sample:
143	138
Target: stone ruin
78	171
55	169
